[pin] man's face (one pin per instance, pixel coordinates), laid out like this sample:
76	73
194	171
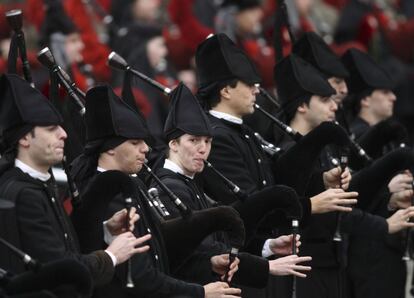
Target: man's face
130	156
156	50
340	87
319	109
191	151
303	6
379	104
249	20
146	10
45	145
74	47
240	100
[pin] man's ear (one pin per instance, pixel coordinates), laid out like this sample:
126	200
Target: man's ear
365	102
173	144
225	92
25	140
302	108
110	152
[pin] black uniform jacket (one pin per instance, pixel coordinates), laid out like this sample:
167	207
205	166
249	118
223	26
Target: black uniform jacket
379	205
317	235
236	153
191	195
149	270
44	229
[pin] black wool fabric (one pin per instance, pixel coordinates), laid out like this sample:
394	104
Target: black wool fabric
185	115
218	58
45	231
21	108
237	155
313	49
366	76
385	133
149	270
108	116
192	195
295	77
295	166
241	4
296	81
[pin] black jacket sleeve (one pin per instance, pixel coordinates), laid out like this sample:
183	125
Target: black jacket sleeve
150	282
148	279
363	224
41	238
248	265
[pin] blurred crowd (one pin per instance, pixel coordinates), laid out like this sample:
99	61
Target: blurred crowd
159	39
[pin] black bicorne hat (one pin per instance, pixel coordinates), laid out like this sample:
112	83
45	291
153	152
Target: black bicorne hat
56	20
107	117
185	115
241	4
366	74
219	59
296	81
21	108
312	48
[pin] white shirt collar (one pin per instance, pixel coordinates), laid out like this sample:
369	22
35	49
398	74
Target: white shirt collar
30	171
226	116
99	169
172	166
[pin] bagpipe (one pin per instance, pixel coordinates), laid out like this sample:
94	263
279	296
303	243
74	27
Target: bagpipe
46	58
221	218
59	77
18	45
263	207
181	236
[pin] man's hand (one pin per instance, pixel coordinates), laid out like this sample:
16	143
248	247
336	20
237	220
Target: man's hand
125	245
335	178
116	224
283	245
288	266
400	200
400	220
401	182
334	199
220	263
220	290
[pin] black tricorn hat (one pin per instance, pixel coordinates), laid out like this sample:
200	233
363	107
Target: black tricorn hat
107	116
366	74
21	108
185	115
312	48
218	58
296	81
